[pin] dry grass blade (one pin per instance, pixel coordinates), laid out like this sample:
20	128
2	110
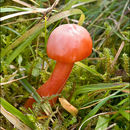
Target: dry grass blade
34	2
109	128
2	128
53	6
24	4
17	14
12	81
89	106
118	25
15	121
79	4
126	91
117	54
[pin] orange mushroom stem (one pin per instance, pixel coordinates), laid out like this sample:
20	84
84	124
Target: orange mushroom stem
67	44
55	83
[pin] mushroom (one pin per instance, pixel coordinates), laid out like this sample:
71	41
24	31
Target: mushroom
67	44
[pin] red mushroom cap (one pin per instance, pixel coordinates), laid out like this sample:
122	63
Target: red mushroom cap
69	43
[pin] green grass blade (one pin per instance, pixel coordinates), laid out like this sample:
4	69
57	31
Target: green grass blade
10	29
100	86
69	4
73	2
8	107
125	114
116	96
13	9
30	89
63	15
94	72
123	101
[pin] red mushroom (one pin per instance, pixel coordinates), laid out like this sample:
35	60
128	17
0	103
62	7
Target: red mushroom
67	44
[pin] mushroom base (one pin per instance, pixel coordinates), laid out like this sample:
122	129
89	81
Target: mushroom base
55	83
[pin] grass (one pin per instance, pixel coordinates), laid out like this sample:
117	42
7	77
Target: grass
98	86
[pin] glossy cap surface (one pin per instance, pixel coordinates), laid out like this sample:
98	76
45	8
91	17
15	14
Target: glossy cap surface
69	43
